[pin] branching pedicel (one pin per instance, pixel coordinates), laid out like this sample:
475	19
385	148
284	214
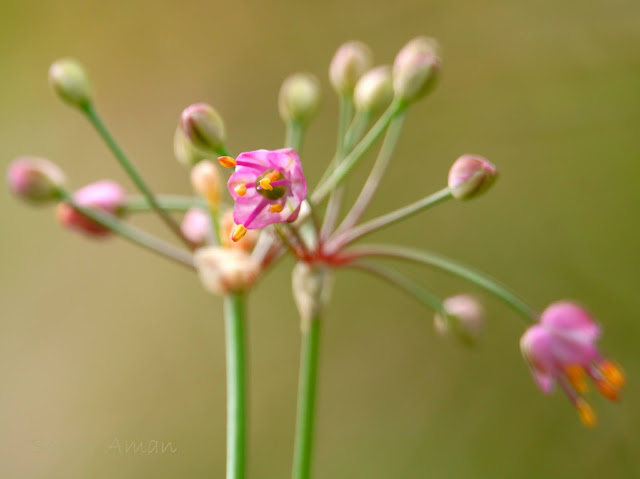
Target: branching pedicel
272	216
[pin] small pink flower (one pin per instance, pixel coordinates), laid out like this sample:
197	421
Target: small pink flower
105	195
267	186
561	348
196	226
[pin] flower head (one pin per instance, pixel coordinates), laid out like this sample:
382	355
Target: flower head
561	349
267	186
105	195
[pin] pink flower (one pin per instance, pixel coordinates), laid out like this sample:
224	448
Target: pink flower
196	226
105	195
267	186
561	348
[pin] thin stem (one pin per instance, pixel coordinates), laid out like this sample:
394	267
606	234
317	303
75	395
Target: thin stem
376	175
405	284
344	168
303	446
177	203
448	265
234	306
342	239
131	233
295	134
102	130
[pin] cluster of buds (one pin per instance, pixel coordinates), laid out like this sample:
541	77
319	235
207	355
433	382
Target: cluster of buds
231	245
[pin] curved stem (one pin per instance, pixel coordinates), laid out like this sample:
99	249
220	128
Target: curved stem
131	233
303	447
448	265
102	130
342	239
234	305
178	203
376	175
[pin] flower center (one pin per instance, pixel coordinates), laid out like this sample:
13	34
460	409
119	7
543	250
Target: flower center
265	188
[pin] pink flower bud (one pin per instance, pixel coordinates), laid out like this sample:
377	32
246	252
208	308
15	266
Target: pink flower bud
224	270
348	64
204	127
374	90
205	179
36	180
465	318
471	175
416	69
105	196
196	226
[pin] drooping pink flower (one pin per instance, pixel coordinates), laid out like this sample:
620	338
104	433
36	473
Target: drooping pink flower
561	348
267	186
105	195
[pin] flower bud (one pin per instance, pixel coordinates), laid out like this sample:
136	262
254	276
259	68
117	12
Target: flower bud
374	91
311	290
205	179
415	69
471	175
70	82
299	98
465	319
246	243
105	195
196	227
204	127
224	270
348	64
36	180
186	152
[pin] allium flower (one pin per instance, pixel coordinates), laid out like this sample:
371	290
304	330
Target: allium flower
561	349
267	186
105	195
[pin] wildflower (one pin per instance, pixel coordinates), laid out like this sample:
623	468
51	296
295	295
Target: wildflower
105	195
224	270
203	126
465	318
36	180
196	226
561	349
267	186
471	175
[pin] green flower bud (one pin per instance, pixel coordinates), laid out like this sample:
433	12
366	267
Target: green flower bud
374	91
416	68
471	175
203	127
299	98
36	180
348	64
464	321
70	82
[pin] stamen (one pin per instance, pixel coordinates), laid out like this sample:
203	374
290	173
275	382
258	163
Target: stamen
575	375
238	233
586	413
241	189
265	183
276	208
227	161
612	373
607	390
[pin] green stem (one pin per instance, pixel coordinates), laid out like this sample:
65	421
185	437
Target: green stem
177	203
344	168
303	447
349	236
94	119
131	233
234	307
295	134
450	266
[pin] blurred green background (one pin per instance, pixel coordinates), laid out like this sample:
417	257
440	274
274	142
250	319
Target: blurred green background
102	342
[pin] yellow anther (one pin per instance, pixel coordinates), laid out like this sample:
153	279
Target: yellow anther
276	208
586	413
241	189
227	161
575	375
273	176
265	183
238	233
607	389
612	373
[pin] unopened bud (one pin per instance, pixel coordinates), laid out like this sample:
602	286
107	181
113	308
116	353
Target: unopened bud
311	290
246	243
465	319
36	180
348	64
196	227
70	82
299	98
374	91
204	127
205	179
224	270
416	68
105	195
186	152
471	175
